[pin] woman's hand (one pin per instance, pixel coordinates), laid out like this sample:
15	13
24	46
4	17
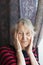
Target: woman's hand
29	47
20	57
17	44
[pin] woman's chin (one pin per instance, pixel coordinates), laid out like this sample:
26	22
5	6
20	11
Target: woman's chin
23	47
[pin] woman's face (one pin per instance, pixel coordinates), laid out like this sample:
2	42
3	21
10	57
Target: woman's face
24	35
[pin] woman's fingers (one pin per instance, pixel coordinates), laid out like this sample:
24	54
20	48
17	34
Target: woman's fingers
18	43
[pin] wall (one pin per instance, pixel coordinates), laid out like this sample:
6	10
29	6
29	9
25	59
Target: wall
40	46
40	50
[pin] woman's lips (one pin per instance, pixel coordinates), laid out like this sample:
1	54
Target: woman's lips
24	41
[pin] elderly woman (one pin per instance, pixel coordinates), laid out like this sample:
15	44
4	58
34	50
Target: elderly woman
22	51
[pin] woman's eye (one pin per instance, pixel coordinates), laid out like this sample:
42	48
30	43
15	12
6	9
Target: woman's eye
28	34
19	33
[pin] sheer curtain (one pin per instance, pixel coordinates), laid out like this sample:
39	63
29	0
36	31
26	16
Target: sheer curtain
39	21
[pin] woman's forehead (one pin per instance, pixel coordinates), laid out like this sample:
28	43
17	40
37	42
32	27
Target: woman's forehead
24	27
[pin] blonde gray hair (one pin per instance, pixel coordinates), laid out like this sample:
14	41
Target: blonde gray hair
25	22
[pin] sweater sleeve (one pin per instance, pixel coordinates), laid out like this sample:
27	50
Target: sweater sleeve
7	56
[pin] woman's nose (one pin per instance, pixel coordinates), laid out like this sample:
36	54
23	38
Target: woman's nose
24	37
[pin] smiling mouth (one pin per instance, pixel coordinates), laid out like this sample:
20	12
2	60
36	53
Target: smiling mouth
24	41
